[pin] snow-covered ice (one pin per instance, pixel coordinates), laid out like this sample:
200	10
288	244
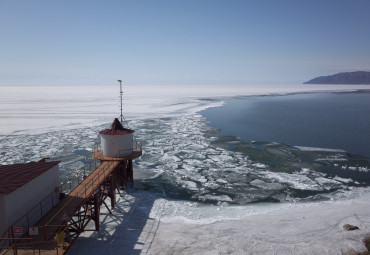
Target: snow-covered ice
45	108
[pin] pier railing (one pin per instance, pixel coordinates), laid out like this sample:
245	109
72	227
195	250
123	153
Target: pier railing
137	145
31	217
30	245
85	189
38	238
56	227
42	208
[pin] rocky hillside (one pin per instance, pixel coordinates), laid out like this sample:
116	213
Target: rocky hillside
359	77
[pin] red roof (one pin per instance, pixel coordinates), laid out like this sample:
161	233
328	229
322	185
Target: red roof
15	176
116	128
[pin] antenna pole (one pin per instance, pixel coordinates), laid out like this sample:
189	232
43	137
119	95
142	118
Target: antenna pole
120	85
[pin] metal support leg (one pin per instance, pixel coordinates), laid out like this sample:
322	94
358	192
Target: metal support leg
111	191
97	211
131	172
125	166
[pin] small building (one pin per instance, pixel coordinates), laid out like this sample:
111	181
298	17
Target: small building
27	189
117	141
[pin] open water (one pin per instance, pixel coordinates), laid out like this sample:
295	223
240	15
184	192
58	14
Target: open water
325	120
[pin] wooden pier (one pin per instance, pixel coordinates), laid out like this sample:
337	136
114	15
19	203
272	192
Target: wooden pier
57	229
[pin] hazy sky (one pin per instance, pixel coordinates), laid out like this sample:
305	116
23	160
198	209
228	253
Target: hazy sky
181	42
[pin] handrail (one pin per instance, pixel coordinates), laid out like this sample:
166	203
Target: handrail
73	203
52	199
90	183
137	146
35	246
37	209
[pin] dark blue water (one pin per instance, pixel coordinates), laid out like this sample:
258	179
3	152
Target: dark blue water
324	120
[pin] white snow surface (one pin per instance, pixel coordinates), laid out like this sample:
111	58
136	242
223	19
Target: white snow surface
25	109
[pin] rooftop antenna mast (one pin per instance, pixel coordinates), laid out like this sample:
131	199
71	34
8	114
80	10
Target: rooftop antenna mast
120	85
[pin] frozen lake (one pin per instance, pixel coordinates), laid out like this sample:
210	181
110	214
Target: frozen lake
184	156
190	173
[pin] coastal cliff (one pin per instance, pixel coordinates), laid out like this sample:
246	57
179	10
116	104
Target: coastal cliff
360	77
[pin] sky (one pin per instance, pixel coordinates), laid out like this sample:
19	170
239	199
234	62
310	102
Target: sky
78	42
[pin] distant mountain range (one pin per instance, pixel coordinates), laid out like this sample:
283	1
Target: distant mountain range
359	77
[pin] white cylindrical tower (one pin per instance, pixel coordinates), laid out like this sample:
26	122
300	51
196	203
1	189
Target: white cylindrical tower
117	141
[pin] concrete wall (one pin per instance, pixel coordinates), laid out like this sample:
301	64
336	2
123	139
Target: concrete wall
20	201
